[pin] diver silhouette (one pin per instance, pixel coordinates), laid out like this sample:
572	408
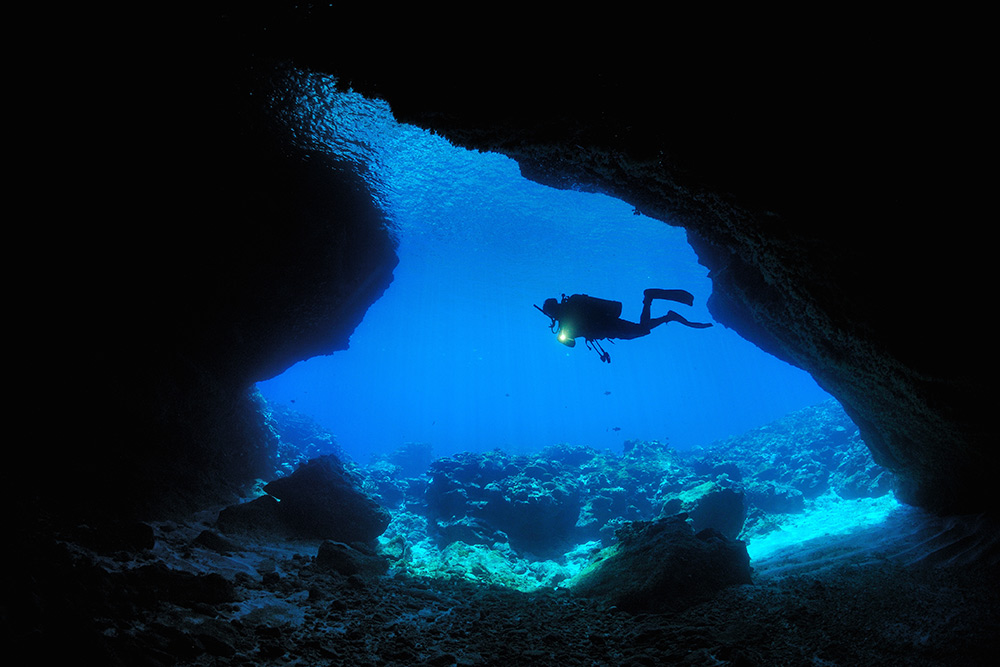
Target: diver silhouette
593	319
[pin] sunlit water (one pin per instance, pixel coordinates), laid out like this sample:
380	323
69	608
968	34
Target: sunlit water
828	516
456	355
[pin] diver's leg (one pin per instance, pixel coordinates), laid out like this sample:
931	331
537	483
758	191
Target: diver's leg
671	316
678	295
644	315
648	295
625	330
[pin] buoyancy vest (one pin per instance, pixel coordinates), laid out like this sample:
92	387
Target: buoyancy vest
583	308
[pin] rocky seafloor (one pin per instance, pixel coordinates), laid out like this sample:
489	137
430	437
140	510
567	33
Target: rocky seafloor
783	546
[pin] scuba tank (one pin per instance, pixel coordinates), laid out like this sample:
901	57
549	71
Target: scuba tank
577	315
590	308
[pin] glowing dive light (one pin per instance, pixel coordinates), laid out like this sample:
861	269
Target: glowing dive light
566	340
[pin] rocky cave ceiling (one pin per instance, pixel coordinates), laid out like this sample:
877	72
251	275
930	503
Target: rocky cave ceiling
820	175
826	179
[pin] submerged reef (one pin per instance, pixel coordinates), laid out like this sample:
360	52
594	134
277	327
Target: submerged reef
569	556
536	520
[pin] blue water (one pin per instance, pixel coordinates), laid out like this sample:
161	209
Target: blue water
455	355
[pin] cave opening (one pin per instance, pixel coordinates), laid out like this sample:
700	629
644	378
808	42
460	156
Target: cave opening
455	355
454	359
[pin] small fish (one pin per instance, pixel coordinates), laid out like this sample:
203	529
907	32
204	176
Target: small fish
607	393
616	428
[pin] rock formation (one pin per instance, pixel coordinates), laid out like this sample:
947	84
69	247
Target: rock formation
823	176
662	565
320	500
812	169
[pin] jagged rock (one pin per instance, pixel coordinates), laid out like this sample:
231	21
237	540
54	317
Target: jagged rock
385	484
258	516
709	505
663	565
714	465
300	438
857	476
800	240
320	500
212	540
865	484
349	560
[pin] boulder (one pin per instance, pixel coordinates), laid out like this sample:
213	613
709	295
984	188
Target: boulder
663	565
710	505
348	560
320	500
258	516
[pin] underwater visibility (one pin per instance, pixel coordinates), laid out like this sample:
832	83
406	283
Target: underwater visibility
497	449
456	353
538	448
403	343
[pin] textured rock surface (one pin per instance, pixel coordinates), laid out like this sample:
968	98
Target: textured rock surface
251	254
320	500
846	602
548	503
710	505
349	560
663	565
809	170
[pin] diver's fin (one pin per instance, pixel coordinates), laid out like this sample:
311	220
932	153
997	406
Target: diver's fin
671	316
678	295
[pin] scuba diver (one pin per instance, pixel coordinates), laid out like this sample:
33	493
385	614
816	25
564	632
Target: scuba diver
590	318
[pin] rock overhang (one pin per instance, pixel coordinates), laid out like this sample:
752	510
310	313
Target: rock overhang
805	172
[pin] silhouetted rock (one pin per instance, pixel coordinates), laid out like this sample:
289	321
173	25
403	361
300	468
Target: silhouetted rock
349	560
320	500
212	540
710	505
799	217
258	516
663	565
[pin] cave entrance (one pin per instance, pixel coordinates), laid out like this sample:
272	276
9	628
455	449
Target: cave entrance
454	354
455	357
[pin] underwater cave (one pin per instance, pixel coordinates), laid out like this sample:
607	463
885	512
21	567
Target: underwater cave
343	435
455	353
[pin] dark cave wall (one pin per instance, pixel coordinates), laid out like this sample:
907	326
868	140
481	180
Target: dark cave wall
825	178
235	253
278	262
